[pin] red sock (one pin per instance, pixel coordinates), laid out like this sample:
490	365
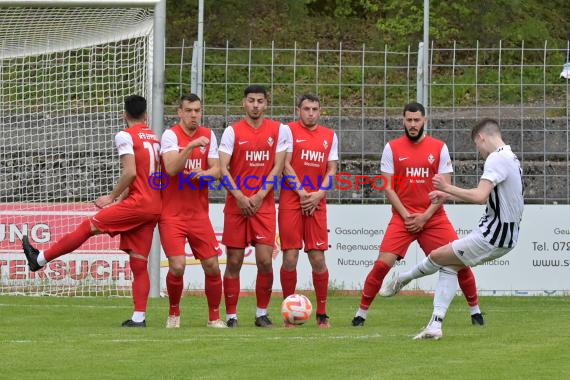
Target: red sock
213	290
141	283
174	286
288	281
69	242
321	284
373	283
231	294
263	288
468	286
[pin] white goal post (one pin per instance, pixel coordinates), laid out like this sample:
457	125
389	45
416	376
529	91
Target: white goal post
65	68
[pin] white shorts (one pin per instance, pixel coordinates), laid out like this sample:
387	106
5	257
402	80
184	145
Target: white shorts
473	249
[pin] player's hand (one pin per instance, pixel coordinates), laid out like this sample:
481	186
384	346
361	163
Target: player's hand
439	182
256	200
415	222
245	205
104	201
200	141
311	202
438	197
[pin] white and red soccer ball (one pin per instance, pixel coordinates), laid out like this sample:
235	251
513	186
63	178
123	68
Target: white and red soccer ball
296	309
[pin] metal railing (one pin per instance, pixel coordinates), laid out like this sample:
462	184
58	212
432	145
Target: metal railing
363	91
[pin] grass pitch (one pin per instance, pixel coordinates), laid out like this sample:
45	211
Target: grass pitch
525	337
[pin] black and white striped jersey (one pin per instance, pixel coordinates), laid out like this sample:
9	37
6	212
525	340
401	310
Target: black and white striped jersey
500	224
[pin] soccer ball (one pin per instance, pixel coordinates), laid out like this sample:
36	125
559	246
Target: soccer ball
296	309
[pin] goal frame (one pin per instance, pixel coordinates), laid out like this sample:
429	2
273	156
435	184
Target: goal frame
158	65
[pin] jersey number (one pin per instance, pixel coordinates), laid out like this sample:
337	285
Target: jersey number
153	153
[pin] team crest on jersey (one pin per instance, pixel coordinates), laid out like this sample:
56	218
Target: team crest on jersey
431	158
270	141
325	144
202	149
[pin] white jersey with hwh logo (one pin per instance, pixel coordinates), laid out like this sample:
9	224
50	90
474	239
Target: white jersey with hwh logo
500	224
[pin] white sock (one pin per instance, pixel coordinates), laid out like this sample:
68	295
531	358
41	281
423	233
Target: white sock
475	309
259	312
435	322
445	291
138	316
41	259
361	313
425	267
231	316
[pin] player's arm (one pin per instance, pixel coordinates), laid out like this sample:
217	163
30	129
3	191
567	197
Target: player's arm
284	145
392	196
128	175
293	179
213	171
273	175
175	161
478	195
416	221
311	203
243	202
125	148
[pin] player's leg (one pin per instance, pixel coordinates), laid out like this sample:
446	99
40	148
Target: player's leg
291	237
321	284
394	246
37	259
438	232
262	231
137	242
206	248
316	242
173	240
235	240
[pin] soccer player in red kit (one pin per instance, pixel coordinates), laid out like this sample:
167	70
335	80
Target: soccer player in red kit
190	151
411	161
310	164
130	210
252	153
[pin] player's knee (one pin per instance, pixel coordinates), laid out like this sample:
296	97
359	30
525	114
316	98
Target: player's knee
289	262
177	269
211	267
265	266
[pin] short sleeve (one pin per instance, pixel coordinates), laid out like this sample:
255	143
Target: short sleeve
445	165
387	160
333	154
285	139
124	143
169	142
495	170
228	140
213	152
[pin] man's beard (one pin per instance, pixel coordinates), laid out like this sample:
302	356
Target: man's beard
417	137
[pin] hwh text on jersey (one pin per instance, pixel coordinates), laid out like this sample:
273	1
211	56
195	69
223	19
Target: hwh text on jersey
311	155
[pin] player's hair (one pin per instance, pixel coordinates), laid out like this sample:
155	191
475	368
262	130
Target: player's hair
189	97
254	89
135	106
309	97
488	126
414	107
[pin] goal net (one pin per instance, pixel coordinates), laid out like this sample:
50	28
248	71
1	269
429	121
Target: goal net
64	74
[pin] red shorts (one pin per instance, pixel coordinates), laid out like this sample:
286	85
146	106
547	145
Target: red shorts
196	229
241	231
136	226
296	229
436	233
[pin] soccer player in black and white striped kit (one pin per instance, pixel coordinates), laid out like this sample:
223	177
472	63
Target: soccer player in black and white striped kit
501	188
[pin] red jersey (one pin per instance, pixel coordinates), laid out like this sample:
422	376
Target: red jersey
141	141
179	198
413	166
253	154
310	157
